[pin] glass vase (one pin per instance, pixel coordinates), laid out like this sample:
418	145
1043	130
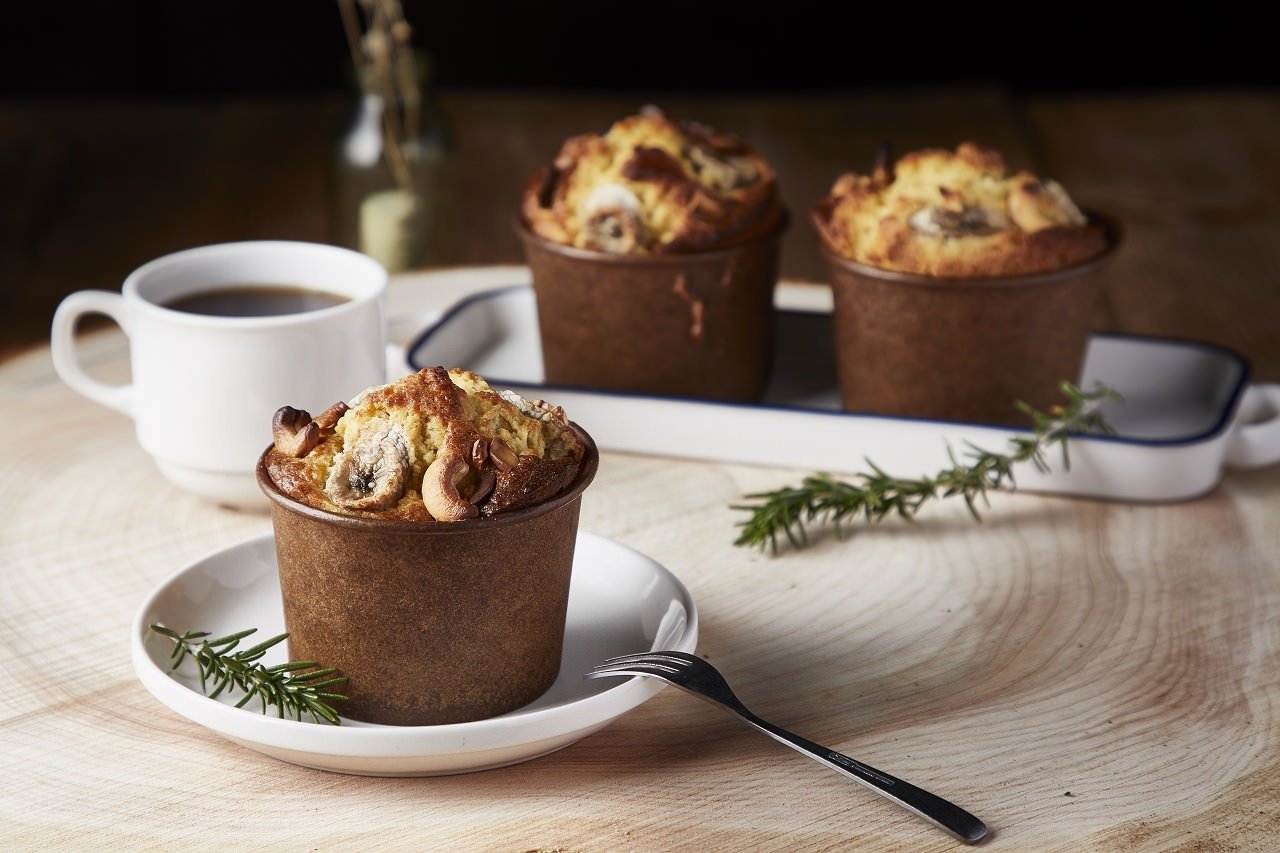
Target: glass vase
403	218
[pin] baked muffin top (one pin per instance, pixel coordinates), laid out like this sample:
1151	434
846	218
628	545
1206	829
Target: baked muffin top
436	445
651	185
956	214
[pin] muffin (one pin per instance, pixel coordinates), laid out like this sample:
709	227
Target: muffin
961	287
654	252
435	446
425	536
960	214
651	185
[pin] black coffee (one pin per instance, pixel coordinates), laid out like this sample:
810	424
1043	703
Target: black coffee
254	300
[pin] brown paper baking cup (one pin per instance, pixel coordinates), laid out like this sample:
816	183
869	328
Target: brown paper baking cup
430	623
687	325
966	349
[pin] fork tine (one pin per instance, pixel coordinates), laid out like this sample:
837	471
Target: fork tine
605	673
654	669
633	666
634	658
650	657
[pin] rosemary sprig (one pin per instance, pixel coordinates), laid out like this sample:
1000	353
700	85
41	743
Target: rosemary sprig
874	494
285	686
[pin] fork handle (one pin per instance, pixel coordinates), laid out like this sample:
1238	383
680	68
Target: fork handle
943	814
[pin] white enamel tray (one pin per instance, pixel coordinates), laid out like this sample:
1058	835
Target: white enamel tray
1188	411
620	602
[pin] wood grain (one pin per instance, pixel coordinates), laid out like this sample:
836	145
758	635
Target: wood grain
1081	675
1196	181
96	188
99	188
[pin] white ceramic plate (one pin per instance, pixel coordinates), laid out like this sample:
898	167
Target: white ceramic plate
620	601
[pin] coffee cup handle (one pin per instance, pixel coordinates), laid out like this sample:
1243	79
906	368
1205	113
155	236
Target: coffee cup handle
63	347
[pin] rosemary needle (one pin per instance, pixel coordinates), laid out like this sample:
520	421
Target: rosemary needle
293	689
874	494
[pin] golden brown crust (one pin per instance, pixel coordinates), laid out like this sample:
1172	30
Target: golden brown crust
651	185
376	460
958	214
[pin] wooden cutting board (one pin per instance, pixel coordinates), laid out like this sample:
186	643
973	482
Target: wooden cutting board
1080	675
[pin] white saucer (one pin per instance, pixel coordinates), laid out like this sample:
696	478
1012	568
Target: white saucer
620	601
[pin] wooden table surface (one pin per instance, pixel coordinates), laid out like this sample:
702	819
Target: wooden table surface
1081	675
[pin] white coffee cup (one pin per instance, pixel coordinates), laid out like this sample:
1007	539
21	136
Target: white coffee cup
204	388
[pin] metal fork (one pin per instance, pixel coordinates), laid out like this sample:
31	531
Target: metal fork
700	678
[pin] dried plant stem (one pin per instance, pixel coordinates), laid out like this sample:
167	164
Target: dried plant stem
386	67
351	26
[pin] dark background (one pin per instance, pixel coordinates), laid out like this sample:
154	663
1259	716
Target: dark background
148	48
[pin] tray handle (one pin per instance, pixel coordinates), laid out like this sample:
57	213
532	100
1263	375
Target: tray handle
1255	442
